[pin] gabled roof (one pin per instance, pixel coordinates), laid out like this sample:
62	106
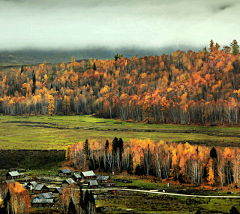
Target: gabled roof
39	187
88	173
76	175
42	201
32	183
14	173
69	181
58	189
65	171
102	177
93	183
47	195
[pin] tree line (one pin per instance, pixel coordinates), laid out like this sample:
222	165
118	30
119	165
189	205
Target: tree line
183	87
185	163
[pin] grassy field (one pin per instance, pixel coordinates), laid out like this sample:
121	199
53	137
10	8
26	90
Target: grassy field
149	203
56	132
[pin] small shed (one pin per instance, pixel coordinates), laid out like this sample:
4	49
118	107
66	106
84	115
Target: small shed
77	177
32	184
68	182
103	179
64	172
88	174
47	195
37	202
93	184
13	175
40	188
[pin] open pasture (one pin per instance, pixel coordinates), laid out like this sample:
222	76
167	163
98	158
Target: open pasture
56	132
150	203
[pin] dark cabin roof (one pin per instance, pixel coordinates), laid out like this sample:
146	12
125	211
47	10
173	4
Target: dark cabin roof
102	178
65	171
93	183
14	173
42	201
47	195
58	189
88	173
39	187
69	181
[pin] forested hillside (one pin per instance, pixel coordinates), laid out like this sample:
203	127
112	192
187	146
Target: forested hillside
182	88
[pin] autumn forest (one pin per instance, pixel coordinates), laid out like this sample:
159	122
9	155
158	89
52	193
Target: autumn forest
185	163
183	88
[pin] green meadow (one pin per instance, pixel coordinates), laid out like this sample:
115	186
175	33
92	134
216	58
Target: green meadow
150	203
56	132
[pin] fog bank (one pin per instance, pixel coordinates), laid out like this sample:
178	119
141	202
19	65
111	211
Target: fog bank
111	24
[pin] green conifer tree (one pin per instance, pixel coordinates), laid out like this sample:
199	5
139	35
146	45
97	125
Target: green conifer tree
7	203
86	147
235	47
71	207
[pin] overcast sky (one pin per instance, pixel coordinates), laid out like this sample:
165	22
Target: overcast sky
145	24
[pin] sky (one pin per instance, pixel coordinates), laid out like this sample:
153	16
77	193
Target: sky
111	24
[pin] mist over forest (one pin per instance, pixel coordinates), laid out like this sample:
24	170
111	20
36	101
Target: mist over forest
113	25
31	56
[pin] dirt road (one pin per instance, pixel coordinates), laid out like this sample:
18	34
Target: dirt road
166	193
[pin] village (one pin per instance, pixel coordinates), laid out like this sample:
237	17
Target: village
47	193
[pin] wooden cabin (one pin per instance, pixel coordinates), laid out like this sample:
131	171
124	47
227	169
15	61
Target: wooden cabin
103	179
57	191
42	202
68	182
46	195
93	184
30	185
64	172
40	188
76	177
13	175
88	175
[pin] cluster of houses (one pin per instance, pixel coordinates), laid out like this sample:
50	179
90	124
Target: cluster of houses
46	196
43	196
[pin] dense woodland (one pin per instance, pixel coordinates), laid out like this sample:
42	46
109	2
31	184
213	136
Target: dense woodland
185	163
184	87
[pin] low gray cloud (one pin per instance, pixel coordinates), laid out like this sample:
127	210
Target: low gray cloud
143	24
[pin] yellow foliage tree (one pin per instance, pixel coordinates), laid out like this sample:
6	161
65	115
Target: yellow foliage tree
66	105
50	105
67	152
210	177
